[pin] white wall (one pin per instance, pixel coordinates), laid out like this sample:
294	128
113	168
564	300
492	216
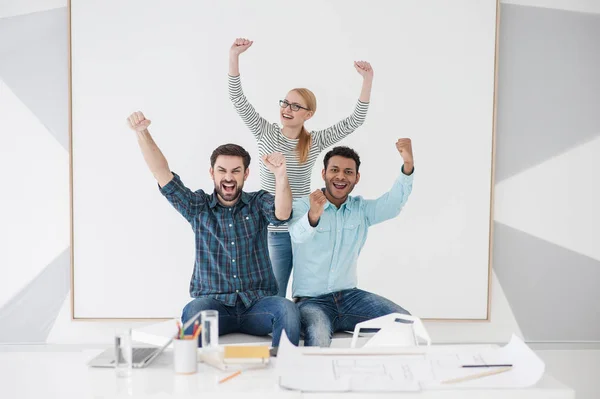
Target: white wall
11	8
63	330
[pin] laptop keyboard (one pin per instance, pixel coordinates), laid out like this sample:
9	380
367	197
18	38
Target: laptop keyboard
139	354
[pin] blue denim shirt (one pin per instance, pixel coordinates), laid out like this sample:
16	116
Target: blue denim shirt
325	256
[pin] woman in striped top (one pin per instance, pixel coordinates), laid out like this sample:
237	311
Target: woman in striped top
299	147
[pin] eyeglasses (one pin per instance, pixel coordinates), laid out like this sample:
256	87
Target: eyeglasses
294	107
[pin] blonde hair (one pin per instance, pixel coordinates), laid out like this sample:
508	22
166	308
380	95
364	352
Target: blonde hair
303	146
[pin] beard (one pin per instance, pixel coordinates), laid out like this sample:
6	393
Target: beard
229	190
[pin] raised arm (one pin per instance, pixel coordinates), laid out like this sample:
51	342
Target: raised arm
306	215
187	202
366	71
239	46
257	124
390	204
333	134
275	162
156	161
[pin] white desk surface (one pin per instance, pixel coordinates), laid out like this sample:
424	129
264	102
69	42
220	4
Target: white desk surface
47	371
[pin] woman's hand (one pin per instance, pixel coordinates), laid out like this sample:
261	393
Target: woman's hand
364	69
239	46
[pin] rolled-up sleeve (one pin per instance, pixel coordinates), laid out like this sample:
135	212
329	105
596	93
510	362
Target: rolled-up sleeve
187	202
267	208
299	227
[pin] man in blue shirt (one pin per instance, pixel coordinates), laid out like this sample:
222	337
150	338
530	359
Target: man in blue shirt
328	230
232	270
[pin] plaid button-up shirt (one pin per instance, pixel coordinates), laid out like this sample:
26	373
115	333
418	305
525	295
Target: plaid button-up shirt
232	256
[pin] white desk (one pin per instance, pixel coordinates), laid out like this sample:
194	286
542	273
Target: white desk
40	371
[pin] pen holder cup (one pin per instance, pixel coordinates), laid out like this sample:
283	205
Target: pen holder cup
185	356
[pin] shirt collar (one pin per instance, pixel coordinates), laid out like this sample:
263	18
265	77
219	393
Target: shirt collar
343	205
245	198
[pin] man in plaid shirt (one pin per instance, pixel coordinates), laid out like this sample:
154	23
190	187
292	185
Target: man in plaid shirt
232	270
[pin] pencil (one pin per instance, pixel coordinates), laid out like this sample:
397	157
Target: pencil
179	330
472	366
230	376
475	376
198	331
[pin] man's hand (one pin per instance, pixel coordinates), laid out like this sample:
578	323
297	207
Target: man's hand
364	69
138	122
275	162
404	147
239	46
317	205
156	161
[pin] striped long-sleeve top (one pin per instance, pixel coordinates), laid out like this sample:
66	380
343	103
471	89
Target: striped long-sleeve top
271	139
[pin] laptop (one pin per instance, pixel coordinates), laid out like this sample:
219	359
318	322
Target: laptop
142	356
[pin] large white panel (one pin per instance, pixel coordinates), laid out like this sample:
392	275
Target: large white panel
434	79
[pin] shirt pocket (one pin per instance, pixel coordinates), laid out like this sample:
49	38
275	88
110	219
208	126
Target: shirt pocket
250	223
352	223
323	228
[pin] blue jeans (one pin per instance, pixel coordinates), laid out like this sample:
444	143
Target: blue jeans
270	314
340	311
280	252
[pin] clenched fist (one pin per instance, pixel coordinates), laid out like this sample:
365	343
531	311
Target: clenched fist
364	69
317	205
275	162
404	147
239	46
138	122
